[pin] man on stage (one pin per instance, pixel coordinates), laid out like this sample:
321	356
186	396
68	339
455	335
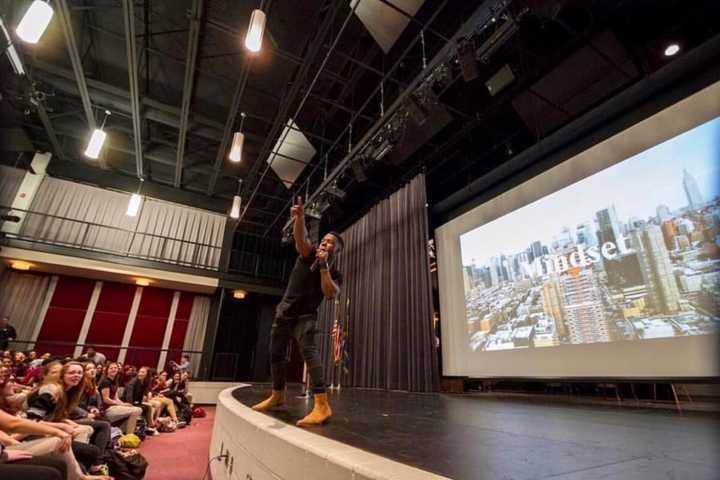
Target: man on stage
313	277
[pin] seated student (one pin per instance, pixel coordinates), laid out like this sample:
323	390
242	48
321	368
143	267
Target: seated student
99	372
136	393
52	441
92	356
160	402
86	414
52	403
115	409
12	395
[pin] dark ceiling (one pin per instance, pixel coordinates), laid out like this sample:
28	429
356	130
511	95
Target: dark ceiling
566	57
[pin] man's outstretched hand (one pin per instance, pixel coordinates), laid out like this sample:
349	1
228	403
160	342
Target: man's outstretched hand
297	210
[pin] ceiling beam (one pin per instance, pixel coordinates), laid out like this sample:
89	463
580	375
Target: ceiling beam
193	41
129	11
66	22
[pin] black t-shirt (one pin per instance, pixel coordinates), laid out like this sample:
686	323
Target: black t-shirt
303	294
107	383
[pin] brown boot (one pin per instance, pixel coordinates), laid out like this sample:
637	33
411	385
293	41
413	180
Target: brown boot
274	400
320	414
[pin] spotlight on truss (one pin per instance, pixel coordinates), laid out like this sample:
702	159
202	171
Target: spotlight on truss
336	192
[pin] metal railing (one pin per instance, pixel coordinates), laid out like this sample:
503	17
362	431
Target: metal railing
136	244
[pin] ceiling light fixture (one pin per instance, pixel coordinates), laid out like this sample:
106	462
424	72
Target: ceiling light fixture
11	52
254	35
672	49
20	265
239	294
142	282
237	202
237	143
135	201
34	22
97	140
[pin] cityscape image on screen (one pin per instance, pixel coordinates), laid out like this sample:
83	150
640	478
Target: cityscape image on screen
629	253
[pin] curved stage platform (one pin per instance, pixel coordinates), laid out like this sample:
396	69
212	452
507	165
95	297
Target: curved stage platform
394	435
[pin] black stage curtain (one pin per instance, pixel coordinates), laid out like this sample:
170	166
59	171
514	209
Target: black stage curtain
385	300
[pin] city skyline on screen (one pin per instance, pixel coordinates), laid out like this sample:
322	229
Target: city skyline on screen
629	253
636	186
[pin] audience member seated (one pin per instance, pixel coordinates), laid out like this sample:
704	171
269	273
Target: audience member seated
52	403
92	356
136	393
160	402
90	416
114	408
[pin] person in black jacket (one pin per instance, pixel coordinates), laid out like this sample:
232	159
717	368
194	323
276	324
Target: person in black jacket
7	333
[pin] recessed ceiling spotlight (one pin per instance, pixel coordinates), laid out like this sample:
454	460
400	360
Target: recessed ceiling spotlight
672	49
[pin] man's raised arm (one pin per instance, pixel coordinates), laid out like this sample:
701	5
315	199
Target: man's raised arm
302	244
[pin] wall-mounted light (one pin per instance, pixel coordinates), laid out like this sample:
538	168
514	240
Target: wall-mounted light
34	22
20	265
237	143
135	201
142	282
254	35
239	294
97	140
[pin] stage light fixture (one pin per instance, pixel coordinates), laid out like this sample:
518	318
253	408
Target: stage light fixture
672	49
336	192
135	201
34	22
142	282
237	143
20	265
12	52
239	294
97	140
254	35
358	170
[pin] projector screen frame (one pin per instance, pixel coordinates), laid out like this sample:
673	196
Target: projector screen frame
633	114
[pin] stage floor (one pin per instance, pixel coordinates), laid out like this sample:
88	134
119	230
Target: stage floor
469	437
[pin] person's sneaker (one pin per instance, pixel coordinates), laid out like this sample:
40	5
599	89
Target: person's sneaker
101	469
181	424
152	432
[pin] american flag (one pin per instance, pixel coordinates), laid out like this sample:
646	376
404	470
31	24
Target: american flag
338	340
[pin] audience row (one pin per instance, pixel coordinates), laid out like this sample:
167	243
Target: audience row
59	417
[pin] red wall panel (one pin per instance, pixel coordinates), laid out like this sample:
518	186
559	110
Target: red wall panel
185	305
149	329
110	318
65	315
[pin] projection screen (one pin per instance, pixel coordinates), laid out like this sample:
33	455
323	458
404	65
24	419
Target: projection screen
604	266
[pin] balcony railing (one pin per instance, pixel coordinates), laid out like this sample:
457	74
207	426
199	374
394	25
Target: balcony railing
109	239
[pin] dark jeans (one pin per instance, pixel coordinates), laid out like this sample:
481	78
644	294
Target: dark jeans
101	432
304	330
42	467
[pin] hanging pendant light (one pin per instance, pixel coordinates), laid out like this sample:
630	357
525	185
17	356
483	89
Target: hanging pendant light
135	201
97	140
34	22
254	35
237	203
237	143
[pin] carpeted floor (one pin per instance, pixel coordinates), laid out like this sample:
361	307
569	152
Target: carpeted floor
182	455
